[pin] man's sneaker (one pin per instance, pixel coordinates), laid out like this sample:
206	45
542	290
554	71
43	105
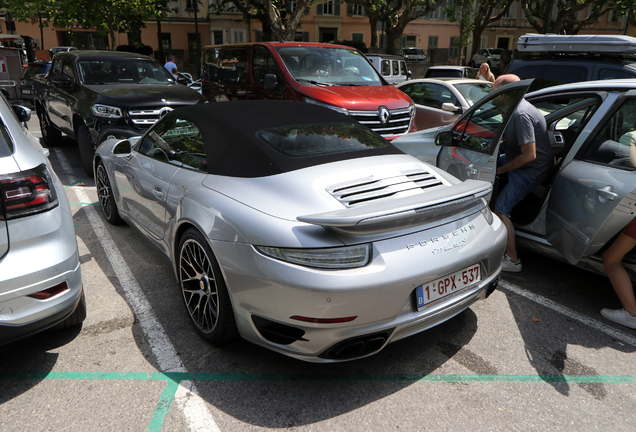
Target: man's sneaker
508	266
620	316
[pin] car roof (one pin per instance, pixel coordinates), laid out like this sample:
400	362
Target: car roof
449	80
600	85
101	55
233	148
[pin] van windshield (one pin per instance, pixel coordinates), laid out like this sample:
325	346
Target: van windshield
319	65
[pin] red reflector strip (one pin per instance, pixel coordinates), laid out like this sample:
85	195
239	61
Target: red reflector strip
51	292
323	320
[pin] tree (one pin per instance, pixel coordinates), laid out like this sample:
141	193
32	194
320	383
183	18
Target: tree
566	20
107	16
277	19
474	17
396	15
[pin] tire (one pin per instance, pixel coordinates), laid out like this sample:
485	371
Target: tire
77	317
86	149
105	195
204	291
50	136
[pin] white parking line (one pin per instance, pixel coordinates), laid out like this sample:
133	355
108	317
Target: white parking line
193	406
590	322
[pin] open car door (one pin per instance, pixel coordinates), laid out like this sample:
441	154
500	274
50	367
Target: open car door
593	196
470	149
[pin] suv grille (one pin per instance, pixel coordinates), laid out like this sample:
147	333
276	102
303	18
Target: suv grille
370	189
398	122
145	118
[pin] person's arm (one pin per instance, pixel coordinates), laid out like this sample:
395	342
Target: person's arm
528	154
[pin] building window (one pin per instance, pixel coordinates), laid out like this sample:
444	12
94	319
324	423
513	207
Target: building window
327	8
432	41
238	35
293	4
166	41
357	37
453	50
434	15
483	42
357	10
191	4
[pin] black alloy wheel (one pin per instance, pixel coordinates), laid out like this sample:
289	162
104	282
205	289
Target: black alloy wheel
105	195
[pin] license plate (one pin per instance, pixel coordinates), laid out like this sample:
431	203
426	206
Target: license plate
26	91
435	290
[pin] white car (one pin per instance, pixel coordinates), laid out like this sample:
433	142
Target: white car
40	276
487	55
441	101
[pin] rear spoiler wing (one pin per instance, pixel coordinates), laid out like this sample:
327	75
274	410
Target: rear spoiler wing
460	199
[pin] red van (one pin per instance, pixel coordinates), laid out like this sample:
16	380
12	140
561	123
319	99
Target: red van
334	76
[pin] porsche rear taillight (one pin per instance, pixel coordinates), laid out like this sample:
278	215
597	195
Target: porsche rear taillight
27	192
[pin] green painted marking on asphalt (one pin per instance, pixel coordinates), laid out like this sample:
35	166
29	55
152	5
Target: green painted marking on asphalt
173	379
163	406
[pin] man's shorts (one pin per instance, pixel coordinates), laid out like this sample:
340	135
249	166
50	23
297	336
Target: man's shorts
519	185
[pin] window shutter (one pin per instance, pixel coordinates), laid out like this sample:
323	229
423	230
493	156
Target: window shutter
336	7
258	36
349	9
305	36
403	41
319	9
443	9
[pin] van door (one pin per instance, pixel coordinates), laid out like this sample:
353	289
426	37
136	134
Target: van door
593	196
263	63
471	148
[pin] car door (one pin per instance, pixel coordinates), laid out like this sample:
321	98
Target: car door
593	196
428	99
144	177
470	149
53	98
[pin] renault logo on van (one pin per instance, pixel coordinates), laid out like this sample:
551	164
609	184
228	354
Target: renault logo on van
384	114
163	111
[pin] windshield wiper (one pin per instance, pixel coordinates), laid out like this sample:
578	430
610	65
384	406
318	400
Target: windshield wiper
314	82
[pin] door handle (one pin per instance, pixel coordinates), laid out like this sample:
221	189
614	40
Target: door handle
607	193
158	192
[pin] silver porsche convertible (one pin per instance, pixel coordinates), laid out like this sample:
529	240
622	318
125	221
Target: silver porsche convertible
300	230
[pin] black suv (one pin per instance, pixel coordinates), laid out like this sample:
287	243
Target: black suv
569	68
95	95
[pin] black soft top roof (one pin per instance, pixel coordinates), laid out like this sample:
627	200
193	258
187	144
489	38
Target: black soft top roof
233	149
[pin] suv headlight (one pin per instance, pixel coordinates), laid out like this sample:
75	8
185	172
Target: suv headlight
330	258
105	111
335	108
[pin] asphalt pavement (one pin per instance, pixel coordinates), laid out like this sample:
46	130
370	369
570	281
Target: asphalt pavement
535	356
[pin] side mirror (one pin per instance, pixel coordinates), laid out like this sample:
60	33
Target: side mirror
444	138
23	113
62	81
122	148
447	106
270	82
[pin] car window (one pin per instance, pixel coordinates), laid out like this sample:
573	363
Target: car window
226	66
477	132
56	69
34	69
264	63
615	142
403	68
386	67
473	92
67	69
176	141
122	71
604	74
426	94
396	67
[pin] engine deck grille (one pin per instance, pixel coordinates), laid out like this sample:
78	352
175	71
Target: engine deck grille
371	189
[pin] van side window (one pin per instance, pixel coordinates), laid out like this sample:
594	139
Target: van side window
615	144
604	74
226	66
386	67
396	68
263	64
403	69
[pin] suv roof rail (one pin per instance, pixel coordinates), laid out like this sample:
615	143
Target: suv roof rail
592	44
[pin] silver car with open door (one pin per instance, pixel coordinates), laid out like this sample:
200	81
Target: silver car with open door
590	196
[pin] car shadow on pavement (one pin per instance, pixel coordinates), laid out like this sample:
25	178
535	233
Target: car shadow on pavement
547	334
29	360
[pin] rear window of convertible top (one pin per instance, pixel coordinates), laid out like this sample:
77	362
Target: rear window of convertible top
320	139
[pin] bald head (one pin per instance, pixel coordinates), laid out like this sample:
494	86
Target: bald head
503	80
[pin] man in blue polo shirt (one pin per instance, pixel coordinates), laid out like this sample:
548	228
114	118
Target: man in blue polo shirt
527	159
171	65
